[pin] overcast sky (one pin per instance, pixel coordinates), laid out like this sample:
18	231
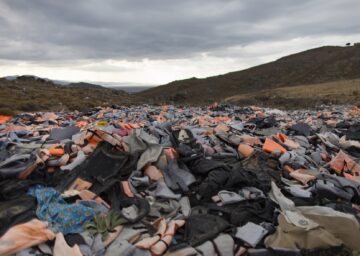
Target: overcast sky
153	42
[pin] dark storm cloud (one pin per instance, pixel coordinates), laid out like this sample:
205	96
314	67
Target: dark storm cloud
45	30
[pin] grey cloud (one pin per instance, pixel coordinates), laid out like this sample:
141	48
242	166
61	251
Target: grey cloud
47	30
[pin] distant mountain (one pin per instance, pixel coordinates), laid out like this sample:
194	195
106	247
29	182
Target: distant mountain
131	89
85	85
315	66
126	87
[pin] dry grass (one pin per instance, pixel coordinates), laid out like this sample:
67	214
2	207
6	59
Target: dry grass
339	92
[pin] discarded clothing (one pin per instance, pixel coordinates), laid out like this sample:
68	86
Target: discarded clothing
62	217
24	236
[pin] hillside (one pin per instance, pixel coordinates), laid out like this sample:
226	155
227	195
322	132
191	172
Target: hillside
315	66
319	76
302	96
28	93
